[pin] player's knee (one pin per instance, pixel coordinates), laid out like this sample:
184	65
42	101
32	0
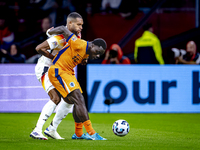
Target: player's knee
68	101
56	99
54	96
76	97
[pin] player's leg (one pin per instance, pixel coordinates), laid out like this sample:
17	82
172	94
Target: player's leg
46	112
50	106
79	104
78	127
62	111
48	109
64	88
69	88
82	114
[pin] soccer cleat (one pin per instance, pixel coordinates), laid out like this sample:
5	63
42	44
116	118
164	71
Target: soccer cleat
83	136
38	135
74	136
53	134
96	136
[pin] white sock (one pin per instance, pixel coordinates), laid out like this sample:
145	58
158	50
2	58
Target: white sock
61	113
47	110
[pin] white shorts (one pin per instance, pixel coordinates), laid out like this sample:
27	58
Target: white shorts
42	75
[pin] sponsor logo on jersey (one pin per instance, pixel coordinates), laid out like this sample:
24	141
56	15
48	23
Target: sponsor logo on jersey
74	38
55	43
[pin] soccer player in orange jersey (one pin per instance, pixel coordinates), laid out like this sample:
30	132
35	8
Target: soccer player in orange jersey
61	75
53	45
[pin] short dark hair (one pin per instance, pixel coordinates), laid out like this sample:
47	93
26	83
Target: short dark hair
147	26
100	42
74	15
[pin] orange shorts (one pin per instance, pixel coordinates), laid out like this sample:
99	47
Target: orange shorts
63	81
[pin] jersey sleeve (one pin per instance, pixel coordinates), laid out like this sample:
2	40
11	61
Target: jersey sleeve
56	42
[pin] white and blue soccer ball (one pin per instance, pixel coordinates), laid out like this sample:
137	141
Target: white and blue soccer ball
121	127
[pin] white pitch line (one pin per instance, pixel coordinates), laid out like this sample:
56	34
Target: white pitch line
20	87
25	74
22	100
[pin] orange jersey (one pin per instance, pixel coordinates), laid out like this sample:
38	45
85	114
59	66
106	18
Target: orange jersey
72	54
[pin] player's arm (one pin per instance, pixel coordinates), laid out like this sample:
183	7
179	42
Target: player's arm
42	49
60	30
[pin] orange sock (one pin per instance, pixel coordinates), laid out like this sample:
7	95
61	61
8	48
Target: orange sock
79	129
88	126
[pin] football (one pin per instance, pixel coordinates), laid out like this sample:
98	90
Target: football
120	127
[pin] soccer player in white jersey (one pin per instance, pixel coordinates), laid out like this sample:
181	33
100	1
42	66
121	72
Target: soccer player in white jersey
55	43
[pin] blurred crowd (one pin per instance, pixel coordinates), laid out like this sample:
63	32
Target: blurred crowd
23	25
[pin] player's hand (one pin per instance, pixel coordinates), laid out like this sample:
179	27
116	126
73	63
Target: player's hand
50	28
84	61
47	32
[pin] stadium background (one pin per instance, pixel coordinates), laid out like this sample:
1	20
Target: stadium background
175	23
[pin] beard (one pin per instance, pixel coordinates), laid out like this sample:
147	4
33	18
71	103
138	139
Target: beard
75	32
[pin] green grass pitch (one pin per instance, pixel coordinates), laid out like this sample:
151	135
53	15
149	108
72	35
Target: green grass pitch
147	132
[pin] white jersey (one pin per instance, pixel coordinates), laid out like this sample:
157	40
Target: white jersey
56	43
